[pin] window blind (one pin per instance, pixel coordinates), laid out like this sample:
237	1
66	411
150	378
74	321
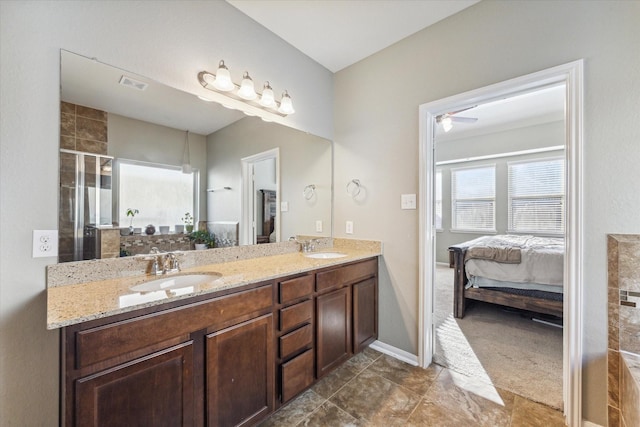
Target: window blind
473	197
536	196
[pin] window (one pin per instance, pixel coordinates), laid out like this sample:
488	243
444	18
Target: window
536	196
162	194
473	198
438	201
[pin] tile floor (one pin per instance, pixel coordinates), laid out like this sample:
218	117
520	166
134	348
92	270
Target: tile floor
373	389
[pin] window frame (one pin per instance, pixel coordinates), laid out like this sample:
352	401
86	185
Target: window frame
561	197
454	200
195	209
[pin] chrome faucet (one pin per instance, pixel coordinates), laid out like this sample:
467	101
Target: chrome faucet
164	263
306	245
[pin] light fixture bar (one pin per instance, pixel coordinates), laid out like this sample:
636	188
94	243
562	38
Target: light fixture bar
245	92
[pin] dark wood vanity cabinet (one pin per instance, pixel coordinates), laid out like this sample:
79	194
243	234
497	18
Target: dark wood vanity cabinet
346	313
208	361
228	359
239	373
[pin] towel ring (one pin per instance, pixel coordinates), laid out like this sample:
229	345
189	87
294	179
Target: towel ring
353	187
309	191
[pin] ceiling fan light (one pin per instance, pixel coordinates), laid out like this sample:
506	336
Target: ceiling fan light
447	123
267	99
247	90
223	79
286	106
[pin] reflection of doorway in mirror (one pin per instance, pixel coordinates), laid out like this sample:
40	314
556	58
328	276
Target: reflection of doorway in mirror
260	193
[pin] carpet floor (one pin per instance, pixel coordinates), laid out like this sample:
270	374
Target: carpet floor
501	346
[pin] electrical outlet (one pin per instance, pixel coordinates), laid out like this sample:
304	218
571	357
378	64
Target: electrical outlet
45	243
349	227
319	226
284	206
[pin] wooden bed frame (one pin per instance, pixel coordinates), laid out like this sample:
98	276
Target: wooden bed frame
462	295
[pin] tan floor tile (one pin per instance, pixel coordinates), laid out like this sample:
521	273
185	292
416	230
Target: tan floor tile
295	411
457	400
333	382
414	378
375	399
330	415
527	413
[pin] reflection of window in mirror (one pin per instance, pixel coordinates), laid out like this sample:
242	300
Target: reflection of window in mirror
162	194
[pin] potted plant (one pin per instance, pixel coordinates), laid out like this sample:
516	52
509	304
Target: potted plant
188	222
202	239
132	212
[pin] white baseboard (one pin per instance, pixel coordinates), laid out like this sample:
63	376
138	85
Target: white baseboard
586	423
395	352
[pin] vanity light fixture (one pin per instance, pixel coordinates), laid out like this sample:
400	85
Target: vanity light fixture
245	92
186	158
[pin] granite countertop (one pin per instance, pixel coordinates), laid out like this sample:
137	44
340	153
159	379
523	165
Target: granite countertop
76	303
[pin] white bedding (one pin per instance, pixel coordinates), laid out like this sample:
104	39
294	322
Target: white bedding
541	262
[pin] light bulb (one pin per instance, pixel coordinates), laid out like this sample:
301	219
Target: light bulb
286	106
267	99
223	79
447	123
246	88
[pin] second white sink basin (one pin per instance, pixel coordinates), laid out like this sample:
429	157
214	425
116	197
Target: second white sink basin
325	255
175	282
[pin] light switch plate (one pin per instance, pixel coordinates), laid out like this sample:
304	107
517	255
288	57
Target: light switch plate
45	243
408	201
284	206
349	227
319	226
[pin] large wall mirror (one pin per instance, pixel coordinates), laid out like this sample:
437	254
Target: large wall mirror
135	152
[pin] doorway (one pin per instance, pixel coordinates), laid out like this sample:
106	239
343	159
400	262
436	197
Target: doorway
571	76
260	198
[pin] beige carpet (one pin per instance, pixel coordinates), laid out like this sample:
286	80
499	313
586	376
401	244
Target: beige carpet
498	345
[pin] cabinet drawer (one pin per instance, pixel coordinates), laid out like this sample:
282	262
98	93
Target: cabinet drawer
297	374
295	315
296	288
295	341
133	337
348	274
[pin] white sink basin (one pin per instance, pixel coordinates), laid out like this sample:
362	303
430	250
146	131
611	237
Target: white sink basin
325	255
175	282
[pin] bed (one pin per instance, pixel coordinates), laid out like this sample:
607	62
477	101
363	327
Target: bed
523	272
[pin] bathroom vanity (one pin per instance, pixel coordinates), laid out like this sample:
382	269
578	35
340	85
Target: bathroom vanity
226	357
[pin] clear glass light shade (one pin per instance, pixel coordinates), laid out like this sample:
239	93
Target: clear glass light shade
286	106
223	79
247	90
267	99
447	124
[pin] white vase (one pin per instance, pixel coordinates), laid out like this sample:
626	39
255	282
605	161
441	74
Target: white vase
201	246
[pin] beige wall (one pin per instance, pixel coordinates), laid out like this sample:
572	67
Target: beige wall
376	139
169	41
304	159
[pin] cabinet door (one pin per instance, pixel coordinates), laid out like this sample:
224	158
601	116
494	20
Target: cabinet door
365	314
154	390
333	329
240	373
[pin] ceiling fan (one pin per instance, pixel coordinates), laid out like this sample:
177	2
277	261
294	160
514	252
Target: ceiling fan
447	119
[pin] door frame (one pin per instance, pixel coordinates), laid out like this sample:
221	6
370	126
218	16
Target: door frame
571	74
247	206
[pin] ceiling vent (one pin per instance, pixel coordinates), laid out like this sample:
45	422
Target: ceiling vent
135	84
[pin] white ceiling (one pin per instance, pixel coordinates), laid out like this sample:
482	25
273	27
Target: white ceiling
339	33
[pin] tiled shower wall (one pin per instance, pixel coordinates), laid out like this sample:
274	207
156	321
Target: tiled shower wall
81	129
624	313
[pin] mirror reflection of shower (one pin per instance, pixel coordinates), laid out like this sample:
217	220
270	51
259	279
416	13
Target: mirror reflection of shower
85	203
